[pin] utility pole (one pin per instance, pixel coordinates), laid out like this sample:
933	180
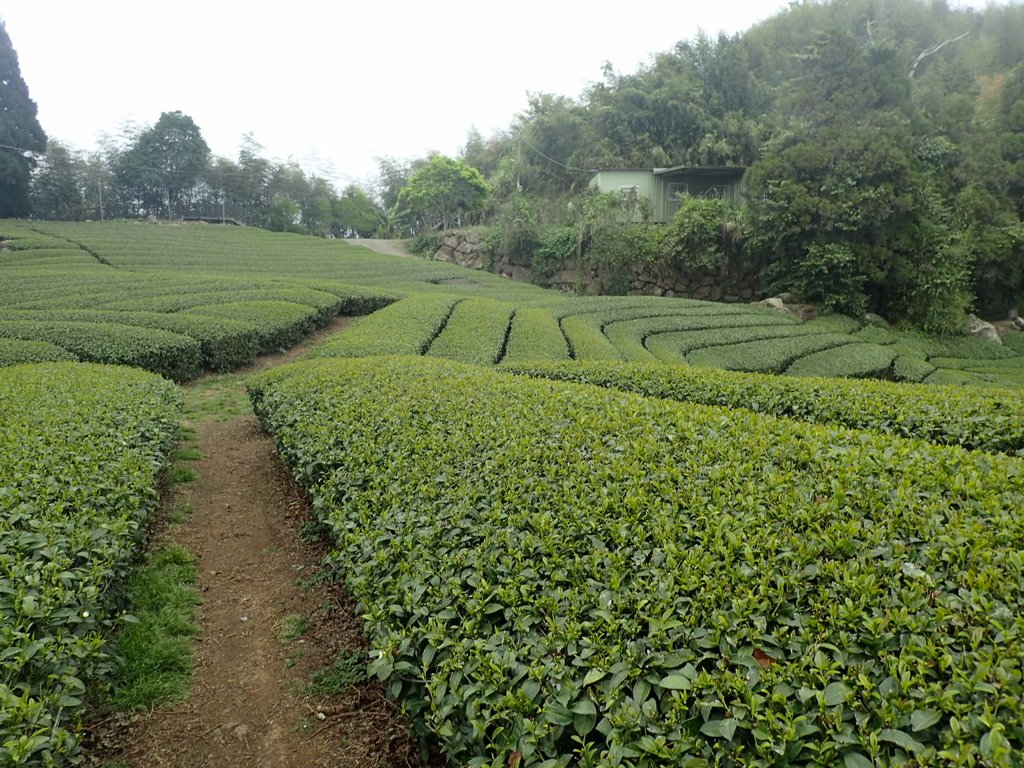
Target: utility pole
99	186
519	164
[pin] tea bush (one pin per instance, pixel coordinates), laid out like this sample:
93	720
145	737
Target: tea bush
81	450
556	574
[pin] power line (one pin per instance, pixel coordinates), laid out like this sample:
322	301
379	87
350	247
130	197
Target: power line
20	149
551	159
210	169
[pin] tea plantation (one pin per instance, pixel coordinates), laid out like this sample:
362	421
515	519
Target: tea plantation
181	299
588	531
82	447
578	575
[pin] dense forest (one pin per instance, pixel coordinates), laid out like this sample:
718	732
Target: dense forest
883	142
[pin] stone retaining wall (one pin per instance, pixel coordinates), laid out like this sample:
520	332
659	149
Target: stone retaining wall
467	249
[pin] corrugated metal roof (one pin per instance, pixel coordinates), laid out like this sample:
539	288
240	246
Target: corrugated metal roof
702	170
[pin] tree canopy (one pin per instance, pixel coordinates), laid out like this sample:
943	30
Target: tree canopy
162	165
167	170
443	191
20	133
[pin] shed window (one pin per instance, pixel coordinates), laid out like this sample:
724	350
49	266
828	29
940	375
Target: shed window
676	190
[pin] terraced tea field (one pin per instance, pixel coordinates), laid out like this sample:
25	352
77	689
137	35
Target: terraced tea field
180	299
622	531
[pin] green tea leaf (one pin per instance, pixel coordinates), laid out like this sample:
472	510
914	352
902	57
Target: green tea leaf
924	718
900	739
857	760
837	693
724	728
676	682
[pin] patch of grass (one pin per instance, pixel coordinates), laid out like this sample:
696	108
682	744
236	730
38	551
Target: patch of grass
349	668
218	398
186	434
187	453
156	650
293	627
180	512
179	475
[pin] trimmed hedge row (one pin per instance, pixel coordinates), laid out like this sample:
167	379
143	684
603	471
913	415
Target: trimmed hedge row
170	354
278	324
586	339
407	327
327	304
634	336
475	332
556	574
766	355
535	335
854	361
81	449
984	420
674	346
49	257
17	351
225	344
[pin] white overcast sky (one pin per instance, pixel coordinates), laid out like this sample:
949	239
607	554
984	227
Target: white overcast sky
335	85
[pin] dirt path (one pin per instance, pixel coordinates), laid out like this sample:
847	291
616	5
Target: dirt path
393	247
268	619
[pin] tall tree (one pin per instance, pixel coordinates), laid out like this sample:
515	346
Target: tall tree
58	184
442	191
353	212
159	171
20	133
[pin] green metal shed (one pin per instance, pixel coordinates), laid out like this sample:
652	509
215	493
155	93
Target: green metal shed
663	186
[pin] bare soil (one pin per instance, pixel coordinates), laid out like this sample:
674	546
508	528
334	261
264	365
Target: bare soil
392	247
250	703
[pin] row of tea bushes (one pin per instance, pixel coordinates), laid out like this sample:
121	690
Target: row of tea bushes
278	324
773	355
172	355
535	335
407	327
225	344
848	361
17	351
81	449
988	420
475	332
556	574
586	338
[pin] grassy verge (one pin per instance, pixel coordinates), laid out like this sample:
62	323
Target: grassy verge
156	649
217	398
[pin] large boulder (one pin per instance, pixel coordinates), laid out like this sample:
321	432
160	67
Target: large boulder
986	331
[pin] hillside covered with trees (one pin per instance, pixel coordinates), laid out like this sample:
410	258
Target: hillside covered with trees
884	141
